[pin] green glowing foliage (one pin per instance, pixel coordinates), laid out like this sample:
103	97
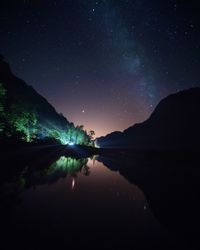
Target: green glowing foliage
2	108
23	122
18	120
75	135
22	182
69	166
2	97
55	134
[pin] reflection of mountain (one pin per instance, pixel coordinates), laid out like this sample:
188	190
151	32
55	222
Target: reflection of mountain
48	170
50	173
171	186
59	169
174	124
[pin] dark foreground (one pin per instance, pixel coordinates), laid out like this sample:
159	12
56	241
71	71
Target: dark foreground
62	197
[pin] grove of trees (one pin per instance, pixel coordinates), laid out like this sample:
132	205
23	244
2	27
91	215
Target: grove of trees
22	122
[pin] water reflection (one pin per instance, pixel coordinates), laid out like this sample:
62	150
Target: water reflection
73	183
42	172
170	182
59	195
66	166
103	207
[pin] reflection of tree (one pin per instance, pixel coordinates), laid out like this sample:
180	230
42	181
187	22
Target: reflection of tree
86	170
59	169
67	165
2	110
62	167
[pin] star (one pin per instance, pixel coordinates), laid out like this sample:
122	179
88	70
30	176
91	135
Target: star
83	111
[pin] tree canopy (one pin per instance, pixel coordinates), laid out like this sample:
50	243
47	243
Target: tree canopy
20	120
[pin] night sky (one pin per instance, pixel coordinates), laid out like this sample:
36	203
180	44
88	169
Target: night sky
104	64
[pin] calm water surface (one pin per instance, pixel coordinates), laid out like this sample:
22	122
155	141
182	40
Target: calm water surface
82	203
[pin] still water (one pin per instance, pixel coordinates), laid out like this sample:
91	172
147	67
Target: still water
80	203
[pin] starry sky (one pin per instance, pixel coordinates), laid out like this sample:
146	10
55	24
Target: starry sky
106	63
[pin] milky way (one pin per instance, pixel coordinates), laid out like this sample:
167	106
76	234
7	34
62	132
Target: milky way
104	64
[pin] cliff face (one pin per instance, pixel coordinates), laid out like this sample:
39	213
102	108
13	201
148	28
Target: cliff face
174	124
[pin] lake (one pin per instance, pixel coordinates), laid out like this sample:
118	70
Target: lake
80	203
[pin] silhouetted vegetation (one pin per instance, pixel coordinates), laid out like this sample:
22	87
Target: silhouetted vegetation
27	116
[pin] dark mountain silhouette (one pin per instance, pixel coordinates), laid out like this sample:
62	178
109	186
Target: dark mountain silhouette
173	125
16	97
170	182
18	90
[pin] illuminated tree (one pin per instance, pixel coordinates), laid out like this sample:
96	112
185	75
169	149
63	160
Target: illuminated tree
55	134
69	133
91	134
23	122
81	127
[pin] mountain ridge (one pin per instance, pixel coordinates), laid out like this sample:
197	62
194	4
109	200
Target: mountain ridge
22	100
173	124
